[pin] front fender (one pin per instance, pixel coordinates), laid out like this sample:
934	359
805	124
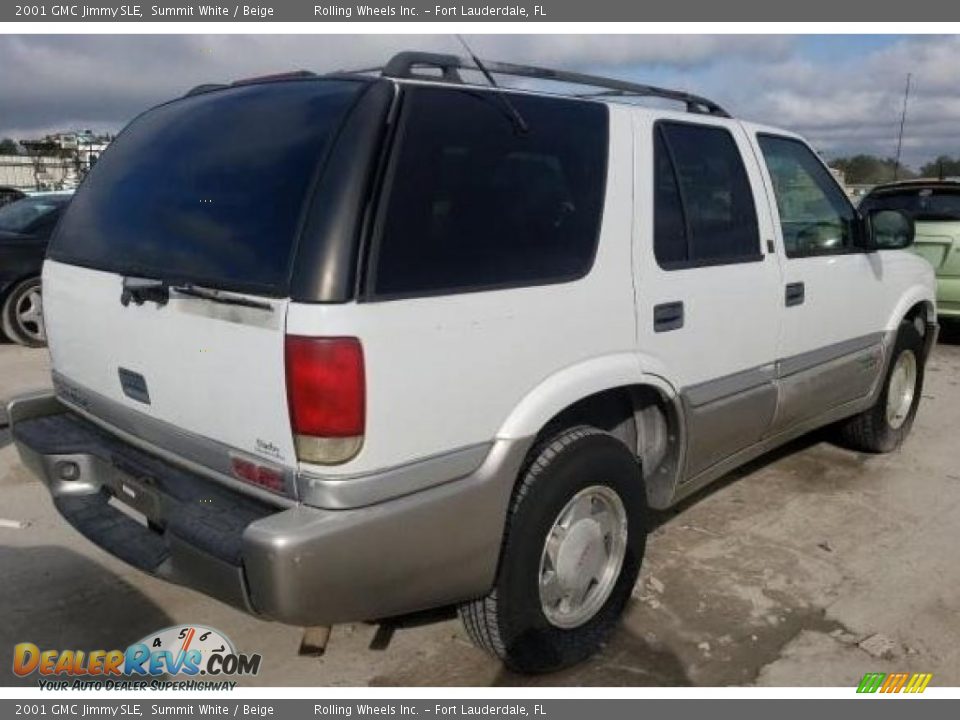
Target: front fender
914	295
571	384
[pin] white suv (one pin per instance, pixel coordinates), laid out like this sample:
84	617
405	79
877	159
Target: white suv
360	345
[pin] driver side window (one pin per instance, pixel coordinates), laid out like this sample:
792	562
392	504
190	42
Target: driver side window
815	216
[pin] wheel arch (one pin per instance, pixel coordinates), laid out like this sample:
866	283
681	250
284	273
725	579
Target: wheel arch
617	395
911	304
916	305
11	284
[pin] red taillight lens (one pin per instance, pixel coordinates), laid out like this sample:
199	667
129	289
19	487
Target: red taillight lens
257	474
326	395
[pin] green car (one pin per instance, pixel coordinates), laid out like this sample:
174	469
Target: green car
935	207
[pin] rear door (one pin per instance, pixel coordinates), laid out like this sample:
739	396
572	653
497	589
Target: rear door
167	281
939	242
707	288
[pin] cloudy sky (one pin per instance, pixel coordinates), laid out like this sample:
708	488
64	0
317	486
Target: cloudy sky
842	92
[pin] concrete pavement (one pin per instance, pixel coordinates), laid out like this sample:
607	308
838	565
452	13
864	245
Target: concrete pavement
811	566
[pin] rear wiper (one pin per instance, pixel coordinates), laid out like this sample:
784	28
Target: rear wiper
219	296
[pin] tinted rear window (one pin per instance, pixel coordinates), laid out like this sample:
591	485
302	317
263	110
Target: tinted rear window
703	203
208	189
477	204
25	215
921	203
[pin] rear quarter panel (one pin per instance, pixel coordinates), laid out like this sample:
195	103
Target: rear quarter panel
446	372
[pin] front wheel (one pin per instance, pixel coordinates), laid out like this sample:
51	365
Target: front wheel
574	543
22	314
885	426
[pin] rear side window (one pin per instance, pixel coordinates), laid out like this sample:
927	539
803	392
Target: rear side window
208	189
474	203
923	203
704	212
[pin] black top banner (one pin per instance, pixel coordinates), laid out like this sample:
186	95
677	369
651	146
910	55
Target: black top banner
324	11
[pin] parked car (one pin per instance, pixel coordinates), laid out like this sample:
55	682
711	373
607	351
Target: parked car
396	342
25	228
935	207
9	194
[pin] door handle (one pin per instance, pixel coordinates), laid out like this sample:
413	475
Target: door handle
795	294
667	316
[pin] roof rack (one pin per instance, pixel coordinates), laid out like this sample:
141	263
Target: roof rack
209	87
405	65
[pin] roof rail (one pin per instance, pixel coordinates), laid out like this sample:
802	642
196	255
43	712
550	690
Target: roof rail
406	65
210	87
205	88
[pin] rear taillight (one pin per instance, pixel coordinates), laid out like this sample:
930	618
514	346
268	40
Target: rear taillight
257	474
327	398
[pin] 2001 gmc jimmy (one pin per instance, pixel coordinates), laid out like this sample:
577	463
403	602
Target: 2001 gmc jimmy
359	345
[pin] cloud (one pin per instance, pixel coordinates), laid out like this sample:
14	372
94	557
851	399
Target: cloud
846	104
684	51
57	81
855	104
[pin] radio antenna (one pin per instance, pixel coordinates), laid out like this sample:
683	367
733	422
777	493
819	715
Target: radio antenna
519	123
903	120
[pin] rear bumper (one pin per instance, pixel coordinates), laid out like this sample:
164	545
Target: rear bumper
299	565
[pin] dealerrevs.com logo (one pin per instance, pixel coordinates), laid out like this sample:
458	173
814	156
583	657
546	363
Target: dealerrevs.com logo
182	657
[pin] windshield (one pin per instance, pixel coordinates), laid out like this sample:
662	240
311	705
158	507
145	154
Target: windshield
208	189
922	203
20	215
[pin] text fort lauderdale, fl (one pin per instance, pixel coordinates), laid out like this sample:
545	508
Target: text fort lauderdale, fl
348	11
487	709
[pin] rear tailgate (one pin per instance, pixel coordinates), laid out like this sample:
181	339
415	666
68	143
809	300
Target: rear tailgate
199	367
197	207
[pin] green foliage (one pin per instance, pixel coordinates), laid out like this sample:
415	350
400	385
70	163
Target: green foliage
944	165
8	146
870	170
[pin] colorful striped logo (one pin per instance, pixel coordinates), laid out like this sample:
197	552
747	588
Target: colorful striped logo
894	682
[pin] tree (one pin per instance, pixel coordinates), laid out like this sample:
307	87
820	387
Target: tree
9	146
869	169
943	166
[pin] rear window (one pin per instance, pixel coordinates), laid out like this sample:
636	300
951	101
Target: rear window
24	215
921	203
208	189
475	203
703	204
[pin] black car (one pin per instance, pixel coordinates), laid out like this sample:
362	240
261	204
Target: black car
25	228
10	194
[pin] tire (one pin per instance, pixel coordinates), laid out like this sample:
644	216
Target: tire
872	430
21	315
597	470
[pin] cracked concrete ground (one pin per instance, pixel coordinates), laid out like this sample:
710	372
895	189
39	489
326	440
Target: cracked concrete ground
811	566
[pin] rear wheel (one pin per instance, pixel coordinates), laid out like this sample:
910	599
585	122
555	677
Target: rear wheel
574	542
22	314
885	426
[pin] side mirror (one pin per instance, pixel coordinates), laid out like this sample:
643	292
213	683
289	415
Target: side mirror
889	230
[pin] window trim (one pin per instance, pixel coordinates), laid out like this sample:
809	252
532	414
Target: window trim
373	242
856	246
704	262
